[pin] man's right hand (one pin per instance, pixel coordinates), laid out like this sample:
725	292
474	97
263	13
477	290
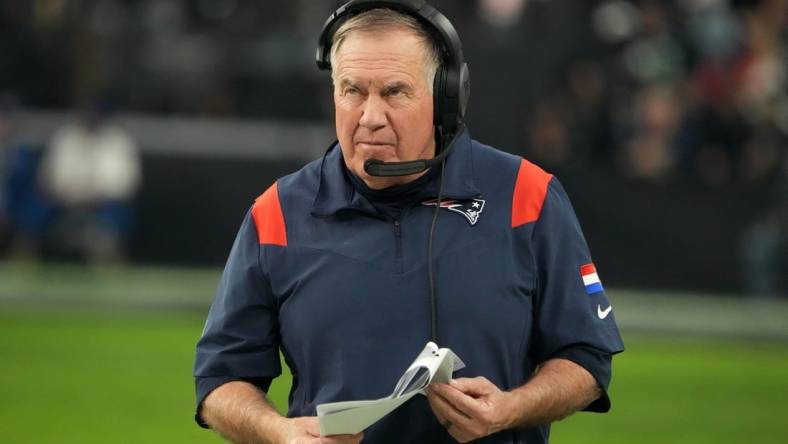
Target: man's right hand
306	430
240	412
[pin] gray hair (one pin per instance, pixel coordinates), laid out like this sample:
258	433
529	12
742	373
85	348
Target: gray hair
380	20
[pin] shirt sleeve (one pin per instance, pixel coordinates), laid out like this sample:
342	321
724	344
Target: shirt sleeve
241	336
599	364
573	315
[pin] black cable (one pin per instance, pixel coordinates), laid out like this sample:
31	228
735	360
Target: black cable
430	271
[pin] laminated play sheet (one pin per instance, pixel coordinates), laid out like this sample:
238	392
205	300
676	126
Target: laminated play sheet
433	364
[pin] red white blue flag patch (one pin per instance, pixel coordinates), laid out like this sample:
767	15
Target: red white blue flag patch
591	279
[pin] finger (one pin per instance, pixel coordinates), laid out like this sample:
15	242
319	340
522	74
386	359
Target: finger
456	430
459	426
449	413
474	386
455	422
468	405
439	406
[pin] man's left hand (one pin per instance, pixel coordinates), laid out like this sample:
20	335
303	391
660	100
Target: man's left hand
471	408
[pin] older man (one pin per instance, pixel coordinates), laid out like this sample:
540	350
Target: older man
331	267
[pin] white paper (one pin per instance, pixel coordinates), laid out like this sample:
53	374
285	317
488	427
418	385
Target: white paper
350	417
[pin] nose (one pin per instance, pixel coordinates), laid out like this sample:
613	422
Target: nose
373	116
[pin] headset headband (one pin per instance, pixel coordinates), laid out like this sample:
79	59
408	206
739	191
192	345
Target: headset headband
436	23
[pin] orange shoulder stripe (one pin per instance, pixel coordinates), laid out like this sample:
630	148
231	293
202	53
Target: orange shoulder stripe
529	193
268	218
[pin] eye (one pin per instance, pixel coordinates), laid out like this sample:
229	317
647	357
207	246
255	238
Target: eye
351	90
393	92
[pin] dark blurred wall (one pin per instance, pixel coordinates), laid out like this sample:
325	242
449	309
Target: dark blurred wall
189	210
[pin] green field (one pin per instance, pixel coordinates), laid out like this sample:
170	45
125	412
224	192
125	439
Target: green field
82	376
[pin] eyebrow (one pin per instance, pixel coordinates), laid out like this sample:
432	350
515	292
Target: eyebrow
348	82
396	84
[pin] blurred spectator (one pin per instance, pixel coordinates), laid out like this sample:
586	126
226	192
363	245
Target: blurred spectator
650	152
739	88
501	13
762	154
714	32
589	114
655	55
720	133
760	68
516	50
547	137
91	172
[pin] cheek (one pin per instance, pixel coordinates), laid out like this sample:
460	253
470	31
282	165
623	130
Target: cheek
420	121
347	114
345	128
343	120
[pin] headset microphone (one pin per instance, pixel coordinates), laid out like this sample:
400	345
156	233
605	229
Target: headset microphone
378	168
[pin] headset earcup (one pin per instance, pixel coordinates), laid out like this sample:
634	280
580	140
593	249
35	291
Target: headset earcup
451	91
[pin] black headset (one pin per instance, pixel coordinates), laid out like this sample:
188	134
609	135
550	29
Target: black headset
451	87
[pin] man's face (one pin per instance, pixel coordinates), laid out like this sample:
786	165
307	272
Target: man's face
383	102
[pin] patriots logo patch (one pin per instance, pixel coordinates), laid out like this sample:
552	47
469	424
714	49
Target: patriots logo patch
471	208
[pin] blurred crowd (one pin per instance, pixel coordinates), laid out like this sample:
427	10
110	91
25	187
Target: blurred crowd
697	89
646	90
73	199
651	89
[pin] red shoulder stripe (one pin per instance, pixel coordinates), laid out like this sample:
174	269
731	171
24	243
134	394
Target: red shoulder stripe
529	193
268	218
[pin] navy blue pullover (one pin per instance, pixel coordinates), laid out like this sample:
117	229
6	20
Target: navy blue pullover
318	272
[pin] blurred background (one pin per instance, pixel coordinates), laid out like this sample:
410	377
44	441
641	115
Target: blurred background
134	135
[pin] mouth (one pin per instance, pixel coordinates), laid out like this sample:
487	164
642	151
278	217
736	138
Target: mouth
373	144
376	150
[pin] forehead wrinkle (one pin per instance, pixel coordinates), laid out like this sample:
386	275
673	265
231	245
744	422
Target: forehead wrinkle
371	67
364	38
367	56
396	78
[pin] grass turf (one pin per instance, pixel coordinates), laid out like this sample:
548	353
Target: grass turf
82	376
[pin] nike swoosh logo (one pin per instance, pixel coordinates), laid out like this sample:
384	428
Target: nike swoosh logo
603	313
